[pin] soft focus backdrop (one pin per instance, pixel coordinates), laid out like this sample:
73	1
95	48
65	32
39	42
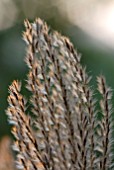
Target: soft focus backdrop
88	23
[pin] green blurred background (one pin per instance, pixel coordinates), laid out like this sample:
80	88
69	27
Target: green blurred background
97	55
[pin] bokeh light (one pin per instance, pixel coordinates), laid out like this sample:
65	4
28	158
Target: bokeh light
94	17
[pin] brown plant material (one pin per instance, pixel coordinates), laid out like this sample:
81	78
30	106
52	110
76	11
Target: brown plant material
62	101
106	124
6	157
28	155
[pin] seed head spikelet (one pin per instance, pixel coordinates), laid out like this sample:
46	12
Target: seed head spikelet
28	156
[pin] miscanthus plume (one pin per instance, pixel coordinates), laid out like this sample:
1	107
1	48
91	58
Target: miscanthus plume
66	132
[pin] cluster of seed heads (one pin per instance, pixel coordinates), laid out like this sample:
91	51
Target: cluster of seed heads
64	132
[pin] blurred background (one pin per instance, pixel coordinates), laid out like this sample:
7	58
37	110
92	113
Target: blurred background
88	23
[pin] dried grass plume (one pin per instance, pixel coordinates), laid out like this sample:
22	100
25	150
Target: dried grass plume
64	132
